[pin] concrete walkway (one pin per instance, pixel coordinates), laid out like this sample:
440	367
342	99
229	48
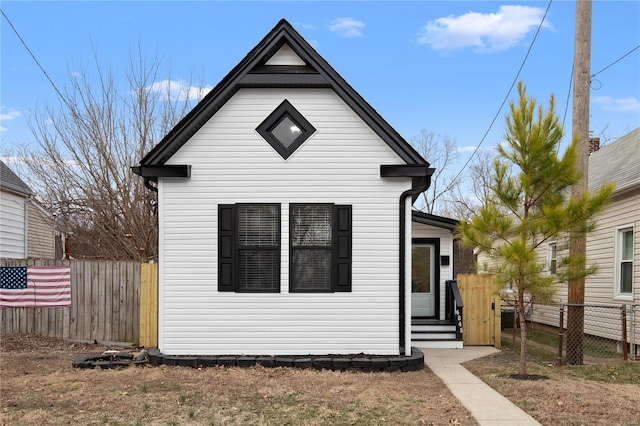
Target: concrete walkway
487	406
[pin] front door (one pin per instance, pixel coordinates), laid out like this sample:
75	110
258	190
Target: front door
423	279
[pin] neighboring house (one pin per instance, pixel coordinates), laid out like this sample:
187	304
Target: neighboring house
27	229
284	205
614	245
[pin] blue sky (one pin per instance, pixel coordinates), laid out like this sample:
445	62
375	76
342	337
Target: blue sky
443	66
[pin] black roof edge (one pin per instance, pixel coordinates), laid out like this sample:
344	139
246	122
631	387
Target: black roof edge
182	171
282	33
434	220
405	170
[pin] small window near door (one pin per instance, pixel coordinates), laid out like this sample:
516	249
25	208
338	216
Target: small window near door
552	252
624	261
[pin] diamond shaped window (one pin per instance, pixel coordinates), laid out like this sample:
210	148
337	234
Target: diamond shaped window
285	129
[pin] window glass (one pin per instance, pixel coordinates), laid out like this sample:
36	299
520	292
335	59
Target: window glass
311	226
627	245
311	247
258	247
553	260
626	261
286	131
257	225
311	269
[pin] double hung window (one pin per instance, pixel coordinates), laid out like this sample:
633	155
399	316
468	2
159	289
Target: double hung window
552	252
249	248
320	248
624	261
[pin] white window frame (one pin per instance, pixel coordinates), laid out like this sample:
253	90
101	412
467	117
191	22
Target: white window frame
618	294
550	258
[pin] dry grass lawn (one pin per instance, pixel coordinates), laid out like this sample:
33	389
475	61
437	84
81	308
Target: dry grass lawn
591	394
39	386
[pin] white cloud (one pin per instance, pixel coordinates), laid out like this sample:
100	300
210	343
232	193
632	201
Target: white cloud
347	27
178	90
485	32
617	104
11	114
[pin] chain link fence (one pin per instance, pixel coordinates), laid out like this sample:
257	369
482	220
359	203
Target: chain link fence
611	333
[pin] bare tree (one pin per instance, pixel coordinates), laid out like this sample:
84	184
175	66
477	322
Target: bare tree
464	202
85	146
442	152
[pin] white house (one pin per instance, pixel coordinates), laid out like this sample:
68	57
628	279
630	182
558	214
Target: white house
27	229
284	206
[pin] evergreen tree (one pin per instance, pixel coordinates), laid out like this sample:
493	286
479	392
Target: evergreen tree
528	205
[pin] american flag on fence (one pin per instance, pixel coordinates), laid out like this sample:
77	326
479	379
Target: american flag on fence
35	286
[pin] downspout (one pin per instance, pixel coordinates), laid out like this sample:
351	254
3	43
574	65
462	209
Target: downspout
147	184
423	185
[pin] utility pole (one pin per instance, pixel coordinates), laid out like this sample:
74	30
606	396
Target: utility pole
580	131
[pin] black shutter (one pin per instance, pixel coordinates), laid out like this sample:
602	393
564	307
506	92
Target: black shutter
226	247
342	248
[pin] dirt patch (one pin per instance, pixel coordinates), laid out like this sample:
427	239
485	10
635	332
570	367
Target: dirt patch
39	386
567	396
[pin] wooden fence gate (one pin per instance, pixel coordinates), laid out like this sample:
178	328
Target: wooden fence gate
481	320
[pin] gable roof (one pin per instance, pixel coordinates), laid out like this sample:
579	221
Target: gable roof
618	163
11	182
253	71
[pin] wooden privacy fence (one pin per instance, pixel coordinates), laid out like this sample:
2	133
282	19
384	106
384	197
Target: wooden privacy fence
105	303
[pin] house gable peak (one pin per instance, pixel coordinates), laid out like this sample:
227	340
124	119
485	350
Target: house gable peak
282	59
285	56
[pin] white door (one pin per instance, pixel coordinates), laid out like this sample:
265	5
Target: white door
423	268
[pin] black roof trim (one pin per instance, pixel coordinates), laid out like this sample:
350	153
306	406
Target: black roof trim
183	171
282	33
433	220
283	69
284	80
404	170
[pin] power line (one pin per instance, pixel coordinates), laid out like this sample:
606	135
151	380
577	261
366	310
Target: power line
36	61
566	105
617	60
495	117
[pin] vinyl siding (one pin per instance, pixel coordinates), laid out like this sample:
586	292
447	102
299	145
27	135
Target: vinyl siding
12	225
231	163
41	235
420	230
622	211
